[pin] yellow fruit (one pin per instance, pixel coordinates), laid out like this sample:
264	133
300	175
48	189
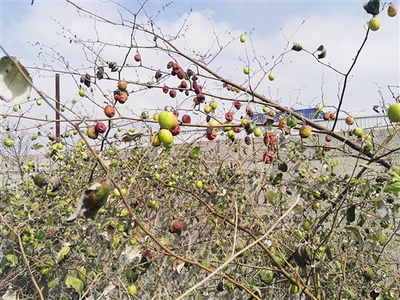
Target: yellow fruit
246	70
358	131
199	184
257	132
242	38
374	24
394	112
271	77
165	136
166	119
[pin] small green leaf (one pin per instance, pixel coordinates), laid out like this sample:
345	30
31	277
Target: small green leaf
359	236
53	283
393	188
195	153
40	235
13	259
75	283
81	273
63	252
37	146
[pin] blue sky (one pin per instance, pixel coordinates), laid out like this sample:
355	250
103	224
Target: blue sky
300	81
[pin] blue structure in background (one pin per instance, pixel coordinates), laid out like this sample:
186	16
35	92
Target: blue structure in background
307	113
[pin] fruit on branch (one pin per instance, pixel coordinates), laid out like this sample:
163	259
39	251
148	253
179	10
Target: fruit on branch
257	132
229	116
358	132
175	130
197	87
181	74
186	119
237	105
82	93
100	73
270	139
109	111
165	89
297	47
214	104
165	136
236	129
326	116
92	132
393	112
214	124
155	116
182	86
226	128
172	93
268	157
244	121
137	57
305	131
249	111
176	67
207	109
242	38
291	121
271	76
367	146
231	133
247	140
113	66
392	10
122	85
374	24
349	120
85	79
100	127
8	142
211	134
121	96
92	200
189	73
200	98
333	116
166	119
246	70
176	226
328	138
144	114
158	75
154	140
249	127
170	64
39	102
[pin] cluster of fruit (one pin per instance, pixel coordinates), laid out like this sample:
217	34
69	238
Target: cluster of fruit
93	131
169	127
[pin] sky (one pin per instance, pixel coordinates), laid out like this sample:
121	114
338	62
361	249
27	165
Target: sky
44	35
